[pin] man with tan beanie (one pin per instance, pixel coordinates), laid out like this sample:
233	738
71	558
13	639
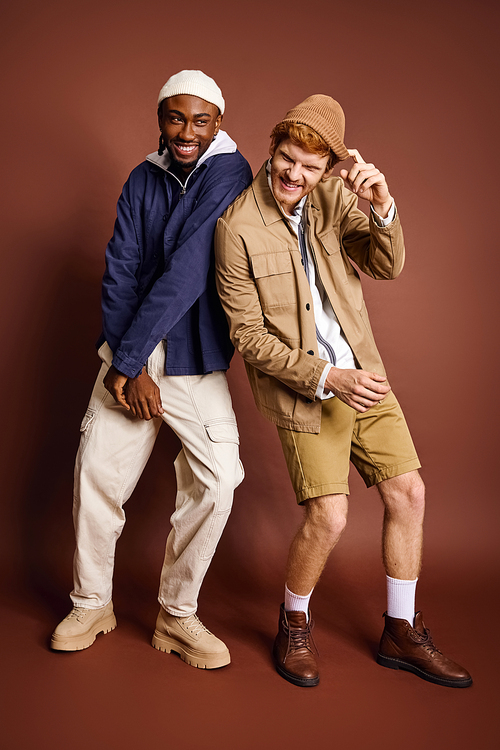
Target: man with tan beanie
284	262
164	351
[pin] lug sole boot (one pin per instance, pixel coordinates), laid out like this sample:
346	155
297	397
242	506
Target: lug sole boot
80	628
191	640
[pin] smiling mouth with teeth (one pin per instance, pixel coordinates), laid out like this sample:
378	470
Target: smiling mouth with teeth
289	185
185	148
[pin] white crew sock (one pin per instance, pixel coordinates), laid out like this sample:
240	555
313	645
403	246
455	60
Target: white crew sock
296	603
401	599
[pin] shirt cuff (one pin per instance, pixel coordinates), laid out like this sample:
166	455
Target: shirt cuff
320	390
390	216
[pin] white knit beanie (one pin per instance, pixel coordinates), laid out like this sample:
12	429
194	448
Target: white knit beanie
196	83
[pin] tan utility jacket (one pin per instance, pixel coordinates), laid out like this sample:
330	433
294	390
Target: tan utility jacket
267	298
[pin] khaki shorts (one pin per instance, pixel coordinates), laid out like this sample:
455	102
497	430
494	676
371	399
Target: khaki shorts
377	442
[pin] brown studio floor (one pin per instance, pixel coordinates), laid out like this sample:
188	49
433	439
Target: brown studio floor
121	693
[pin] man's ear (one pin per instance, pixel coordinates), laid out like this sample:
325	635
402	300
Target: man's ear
327	174
218	121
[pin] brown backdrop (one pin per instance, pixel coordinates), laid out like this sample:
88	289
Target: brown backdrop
419	84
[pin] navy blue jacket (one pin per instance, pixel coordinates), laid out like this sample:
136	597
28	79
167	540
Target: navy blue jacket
159	280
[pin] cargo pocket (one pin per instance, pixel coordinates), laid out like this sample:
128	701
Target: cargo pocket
223	434
222	431
226	432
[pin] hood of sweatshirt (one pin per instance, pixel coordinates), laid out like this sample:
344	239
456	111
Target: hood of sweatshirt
222	144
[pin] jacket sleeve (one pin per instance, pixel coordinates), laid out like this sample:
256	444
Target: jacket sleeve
185	275
257	345
377	251
119	299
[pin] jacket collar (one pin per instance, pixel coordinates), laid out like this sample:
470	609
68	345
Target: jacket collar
265	199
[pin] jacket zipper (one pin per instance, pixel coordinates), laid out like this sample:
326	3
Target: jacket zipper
183	185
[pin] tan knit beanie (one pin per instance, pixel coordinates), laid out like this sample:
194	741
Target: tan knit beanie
324	115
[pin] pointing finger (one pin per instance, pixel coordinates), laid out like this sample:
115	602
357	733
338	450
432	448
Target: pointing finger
354	153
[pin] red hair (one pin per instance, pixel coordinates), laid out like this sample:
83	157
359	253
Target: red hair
304	137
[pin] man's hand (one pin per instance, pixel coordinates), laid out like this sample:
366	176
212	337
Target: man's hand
143	396
114	382
357	388
369	183
139	395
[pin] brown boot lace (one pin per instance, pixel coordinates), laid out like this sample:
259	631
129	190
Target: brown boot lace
424	639
300	638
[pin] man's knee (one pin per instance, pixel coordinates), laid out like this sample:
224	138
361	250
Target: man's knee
404	493
229	472
212	478
327	515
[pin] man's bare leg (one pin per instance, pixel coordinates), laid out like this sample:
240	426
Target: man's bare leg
406	644
293	653
324	521
404	502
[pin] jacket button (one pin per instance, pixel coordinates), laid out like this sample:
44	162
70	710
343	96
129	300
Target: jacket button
310	351
308	401
308	306
165	217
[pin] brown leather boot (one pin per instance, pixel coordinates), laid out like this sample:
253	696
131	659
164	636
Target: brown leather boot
293	649
412	649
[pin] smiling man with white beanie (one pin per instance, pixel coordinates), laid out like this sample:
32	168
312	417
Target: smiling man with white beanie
164	351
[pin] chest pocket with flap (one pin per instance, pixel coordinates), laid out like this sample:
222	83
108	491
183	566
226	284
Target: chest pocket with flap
273	273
